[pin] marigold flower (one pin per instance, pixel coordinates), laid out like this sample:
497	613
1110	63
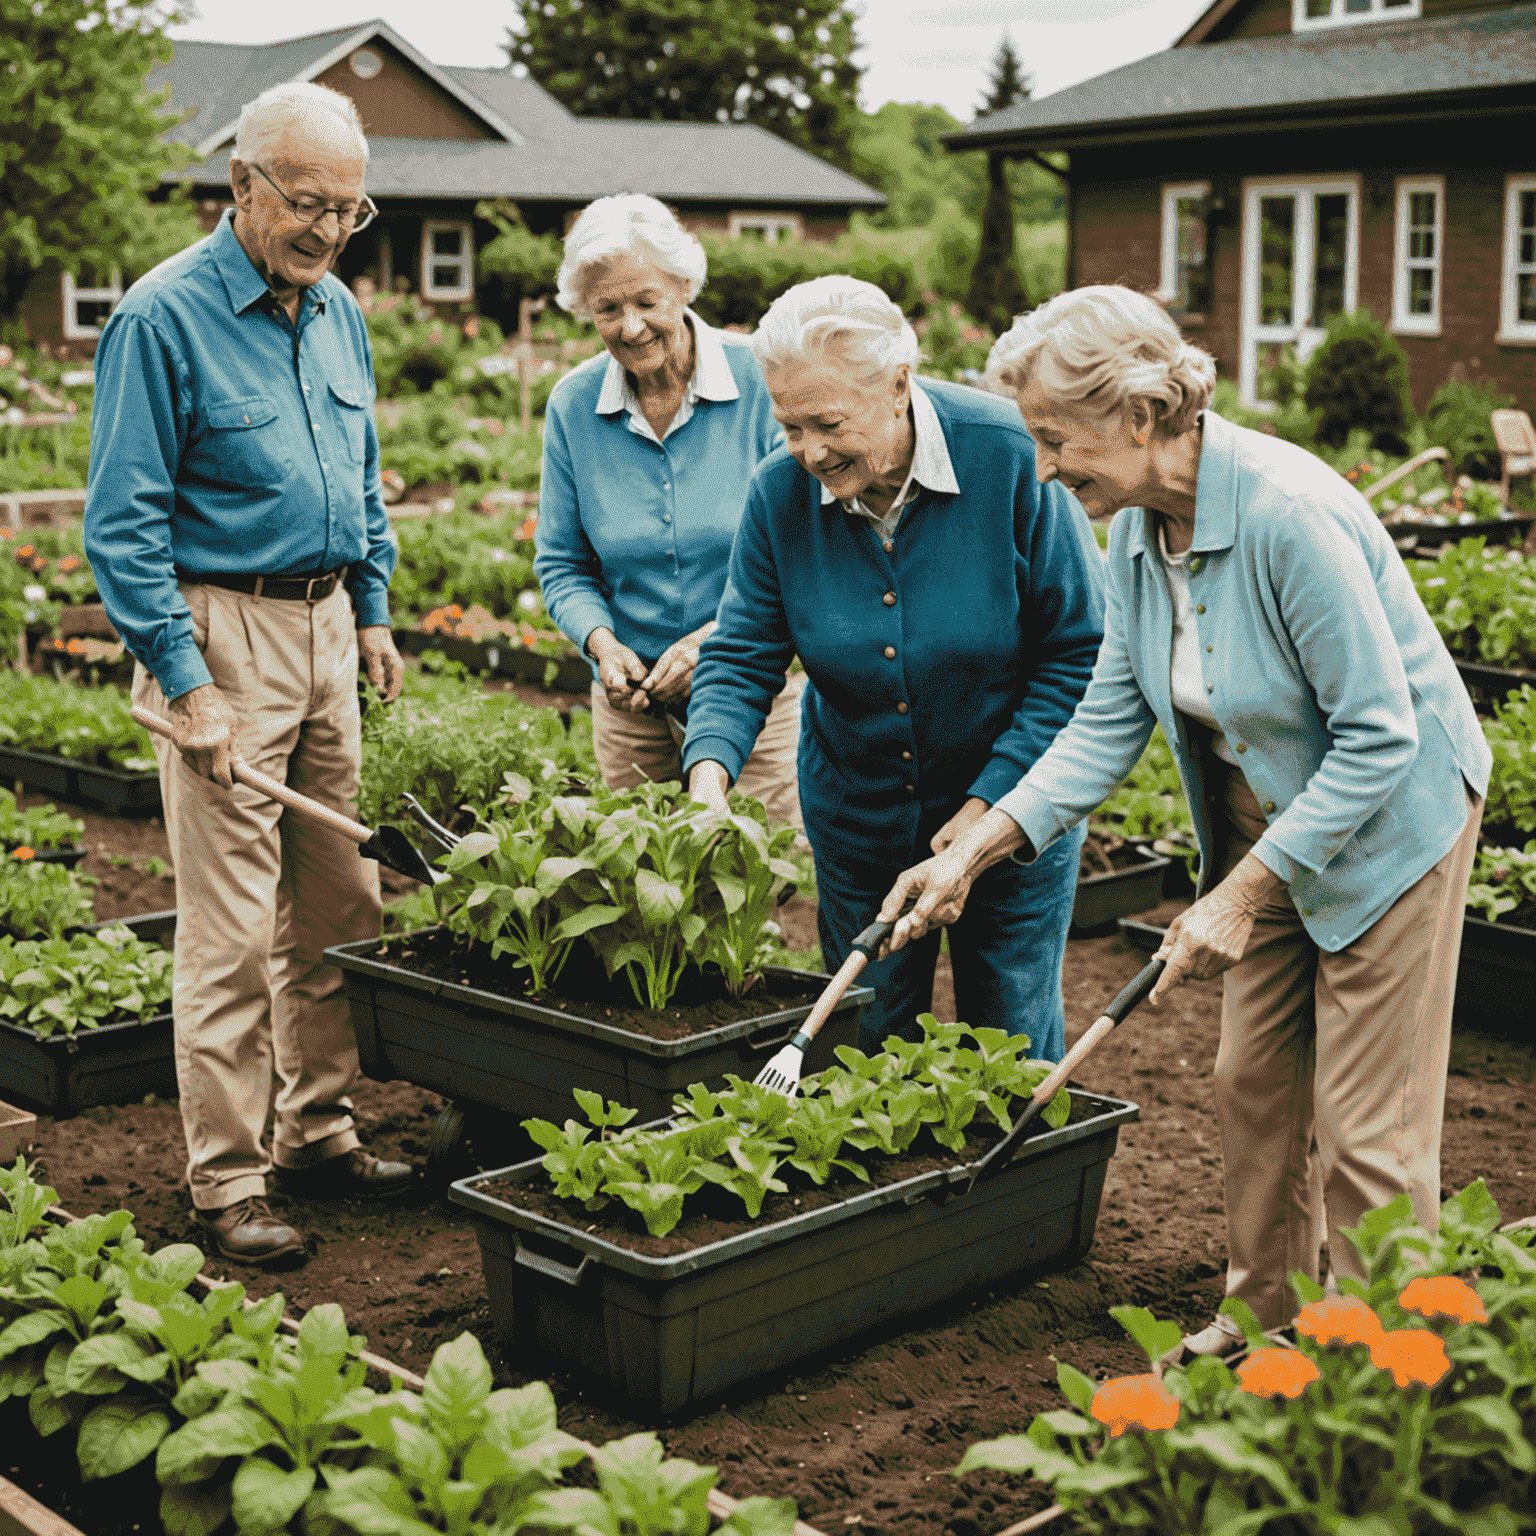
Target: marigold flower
70	563
75	647
23	853
1276	1373
1415	1356
1339	1320
26	551
525	530
1134	1402
1443	1296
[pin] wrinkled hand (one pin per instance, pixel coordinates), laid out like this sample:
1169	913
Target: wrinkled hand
672	676
1212	936
376	651
618	670
708	784
937	888
967	816
203	726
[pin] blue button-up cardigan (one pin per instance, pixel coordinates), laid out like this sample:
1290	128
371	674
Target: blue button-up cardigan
1323	670
953	686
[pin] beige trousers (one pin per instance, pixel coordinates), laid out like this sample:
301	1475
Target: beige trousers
1350	1049
260	895
628	746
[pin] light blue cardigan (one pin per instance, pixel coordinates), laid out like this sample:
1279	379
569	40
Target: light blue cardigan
1323	671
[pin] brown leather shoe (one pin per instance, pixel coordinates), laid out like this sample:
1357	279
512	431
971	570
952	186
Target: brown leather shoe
248	1232
354	1175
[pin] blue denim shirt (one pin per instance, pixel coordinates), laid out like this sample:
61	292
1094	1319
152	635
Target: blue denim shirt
1323	670
224	438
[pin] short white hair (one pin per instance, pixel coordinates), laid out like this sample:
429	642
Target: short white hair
263	120
852	322
629	224
1094	350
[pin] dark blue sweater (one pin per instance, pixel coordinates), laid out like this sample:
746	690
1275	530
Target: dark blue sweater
998	616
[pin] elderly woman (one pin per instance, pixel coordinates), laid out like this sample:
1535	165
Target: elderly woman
1258	612
947	610
647	457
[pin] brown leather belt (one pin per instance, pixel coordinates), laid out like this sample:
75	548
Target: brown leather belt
301	588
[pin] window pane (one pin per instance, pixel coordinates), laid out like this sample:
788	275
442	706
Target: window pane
1421	291
1392	4
1277	222
1193	277
1316	9
1528	211
1527	298
1332	215
754	232
446	242
1421	245
1356	7
1421	209
1527	249
448	276
92	311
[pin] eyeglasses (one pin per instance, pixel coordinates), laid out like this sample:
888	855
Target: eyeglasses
310	210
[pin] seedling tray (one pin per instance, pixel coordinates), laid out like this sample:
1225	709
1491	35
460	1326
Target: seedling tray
131	794
664	1333
502	658
519	1057
18	1127
1102	900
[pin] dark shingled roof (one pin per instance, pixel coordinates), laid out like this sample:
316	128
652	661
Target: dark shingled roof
1373	66
561	157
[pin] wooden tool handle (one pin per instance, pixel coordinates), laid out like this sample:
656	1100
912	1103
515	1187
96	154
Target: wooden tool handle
847	974
311	810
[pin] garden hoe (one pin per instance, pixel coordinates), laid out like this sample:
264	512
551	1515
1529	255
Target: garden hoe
388	845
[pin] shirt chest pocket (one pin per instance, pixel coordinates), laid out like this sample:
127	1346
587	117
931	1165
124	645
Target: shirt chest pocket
243	444
351	410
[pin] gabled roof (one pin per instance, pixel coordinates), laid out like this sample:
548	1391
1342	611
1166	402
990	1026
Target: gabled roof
1378	69
217	79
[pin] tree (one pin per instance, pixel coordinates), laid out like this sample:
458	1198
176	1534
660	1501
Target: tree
785	65
1009	81
81	149
997	291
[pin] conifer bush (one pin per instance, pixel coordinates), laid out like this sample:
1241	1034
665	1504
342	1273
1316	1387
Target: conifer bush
1358	378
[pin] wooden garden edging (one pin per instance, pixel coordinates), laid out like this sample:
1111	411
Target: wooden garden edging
22	1515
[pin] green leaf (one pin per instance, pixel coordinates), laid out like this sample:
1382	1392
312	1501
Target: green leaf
759	1516
235	1431
458	1381
1242	1314
585	921
473	847
102	1357
324	1331
659	900
1014	1453
48	1414
31	1328
265	1498
733	891
1078	1388
194	1509
117	1435
1155	1338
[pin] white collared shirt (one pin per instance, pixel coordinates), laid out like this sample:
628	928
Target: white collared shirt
931	469
711	379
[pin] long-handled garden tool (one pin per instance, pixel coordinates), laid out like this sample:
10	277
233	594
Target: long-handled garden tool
781	1074
388	845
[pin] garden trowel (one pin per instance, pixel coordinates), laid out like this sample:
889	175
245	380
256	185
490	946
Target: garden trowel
388	845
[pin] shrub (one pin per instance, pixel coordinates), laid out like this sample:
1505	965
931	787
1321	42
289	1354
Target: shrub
1511	735
1459	420
1358	378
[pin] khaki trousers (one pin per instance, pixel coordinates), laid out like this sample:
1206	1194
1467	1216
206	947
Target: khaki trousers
260	895
628	746
1350	1048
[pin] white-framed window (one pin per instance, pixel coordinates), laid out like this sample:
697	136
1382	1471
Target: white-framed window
1517	312
447	261
1309	14
770	228
1185	285
1419	243
88	302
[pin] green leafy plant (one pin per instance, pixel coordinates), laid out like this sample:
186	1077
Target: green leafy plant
1503	882
43	899
464	558
58	986
38	826
1358	379
748	874
1151	803
1459	419
1483	602
1407	1405
88	725
1511	735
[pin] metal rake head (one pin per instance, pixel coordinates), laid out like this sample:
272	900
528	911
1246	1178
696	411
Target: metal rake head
781	1073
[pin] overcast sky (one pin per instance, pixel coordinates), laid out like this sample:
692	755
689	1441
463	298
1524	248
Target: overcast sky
915	50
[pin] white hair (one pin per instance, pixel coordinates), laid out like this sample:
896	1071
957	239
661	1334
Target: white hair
845	319
628	224
1094	350
262	121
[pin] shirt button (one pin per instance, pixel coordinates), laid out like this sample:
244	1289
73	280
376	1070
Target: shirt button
890	599
906	757
901	709
666	517
1269	806
1194	564
1306	911
247	421
666	485
1199	607
1210	687
890	653
325	466
306	391
1242	746
887	546
1210	647
911	789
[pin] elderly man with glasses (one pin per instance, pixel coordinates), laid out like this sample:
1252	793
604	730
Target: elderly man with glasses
239	540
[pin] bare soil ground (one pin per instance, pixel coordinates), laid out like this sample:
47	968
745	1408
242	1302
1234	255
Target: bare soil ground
865	1439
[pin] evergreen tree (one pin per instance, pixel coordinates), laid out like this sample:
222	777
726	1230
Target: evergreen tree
786	65
997	291
1008	82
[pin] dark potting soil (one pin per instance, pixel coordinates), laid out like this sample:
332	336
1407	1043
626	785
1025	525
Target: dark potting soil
713	1214
585	991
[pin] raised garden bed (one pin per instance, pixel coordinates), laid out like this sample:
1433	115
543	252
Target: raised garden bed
522	1057
126	792
1499	530
1490	684
664	1332
571	674
1103	899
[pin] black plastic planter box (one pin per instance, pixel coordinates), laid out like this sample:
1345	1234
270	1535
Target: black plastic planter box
68	857
131	794
1104	899
502	658
1496	980
664	1333
507	1054
1489	685
1498	530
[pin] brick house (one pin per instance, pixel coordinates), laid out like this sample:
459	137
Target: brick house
1286	159
443	138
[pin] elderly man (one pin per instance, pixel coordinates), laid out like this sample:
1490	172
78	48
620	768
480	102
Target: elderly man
237	533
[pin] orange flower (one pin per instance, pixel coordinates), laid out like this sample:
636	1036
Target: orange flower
1134	1402
1415	1356
1339	1320
75	647
70	563
7	533
525	529
1443	1296
26	551
23	853
1276	1373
